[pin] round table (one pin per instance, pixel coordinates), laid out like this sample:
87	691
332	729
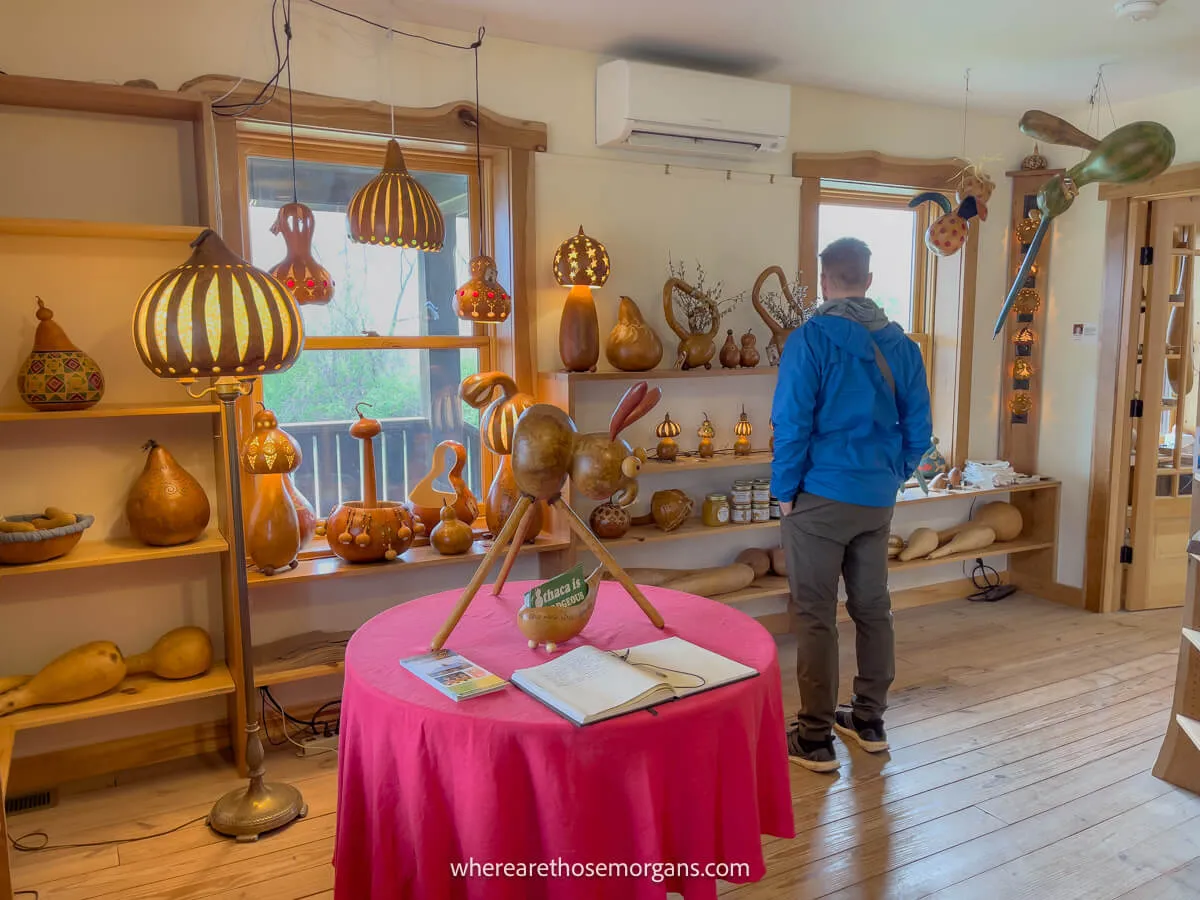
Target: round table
425	782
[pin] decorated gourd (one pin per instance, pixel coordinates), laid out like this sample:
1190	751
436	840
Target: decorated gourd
273	530
730	355
666	432
166	505
305	278
57	375
632	345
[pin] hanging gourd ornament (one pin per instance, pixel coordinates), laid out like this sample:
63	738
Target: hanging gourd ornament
946	234
305	278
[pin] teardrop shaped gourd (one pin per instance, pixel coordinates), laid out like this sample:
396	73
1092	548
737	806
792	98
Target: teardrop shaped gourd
273	530
632	345
180	653
730	355
426	500
502	498
1003	518
305	278
450	536
86	671
305	514
973	537
57	375
166	505
921	543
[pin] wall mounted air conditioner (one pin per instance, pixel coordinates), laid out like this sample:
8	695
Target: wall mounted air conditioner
647	107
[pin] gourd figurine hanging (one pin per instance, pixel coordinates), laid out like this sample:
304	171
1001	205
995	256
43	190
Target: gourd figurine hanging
57	375
369	530
306	279
273	529
497	422
1135	152
427	501
696	348
946	234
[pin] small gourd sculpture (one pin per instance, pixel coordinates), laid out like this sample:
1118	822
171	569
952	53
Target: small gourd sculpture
166	505
370	529
749	355
695	348
743	430
706	433
497	422
632	345
273	529
666	432
609	521
931	465
789	314
306	279
552	625
97	667
451	536
427	501
58	375
947	233
730	356
547	450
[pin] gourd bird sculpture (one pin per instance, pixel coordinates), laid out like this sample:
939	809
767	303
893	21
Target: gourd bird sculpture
1135	152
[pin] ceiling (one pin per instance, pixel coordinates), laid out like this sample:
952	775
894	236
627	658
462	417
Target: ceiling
1020	52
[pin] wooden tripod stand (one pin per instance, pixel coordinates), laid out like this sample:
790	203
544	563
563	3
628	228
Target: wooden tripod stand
512	535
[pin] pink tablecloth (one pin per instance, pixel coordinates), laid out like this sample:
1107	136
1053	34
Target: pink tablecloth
424	782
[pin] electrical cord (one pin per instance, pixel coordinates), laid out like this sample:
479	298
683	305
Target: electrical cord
22	845
420	37
242	108
989	587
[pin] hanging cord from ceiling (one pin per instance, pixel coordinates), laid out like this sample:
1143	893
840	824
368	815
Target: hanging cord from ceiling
478	138
291	115
1099	89
267	92
966	109
420	37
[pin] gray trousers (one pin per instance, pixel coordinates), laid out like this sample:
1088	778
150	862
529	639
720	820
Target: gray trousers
825	539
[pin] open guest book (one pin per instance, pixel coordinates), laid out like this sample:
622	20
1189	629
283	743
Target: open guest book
588	684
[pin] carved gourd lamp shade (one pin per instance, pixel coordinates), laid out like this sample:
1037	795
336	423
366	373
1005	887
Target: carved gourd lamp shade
580	263
216	315
743	430
482	298
1028	302
299	272
666	432
393	209
270	450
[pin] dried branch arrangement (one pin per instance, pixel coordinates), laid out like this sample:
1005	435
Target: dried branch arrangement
698	315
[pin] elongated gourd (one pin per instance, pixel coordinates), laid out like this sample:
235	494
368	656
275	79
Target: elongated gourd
921	543
83	672
180	653
709	582
8	682
1003	518
974	537
895	545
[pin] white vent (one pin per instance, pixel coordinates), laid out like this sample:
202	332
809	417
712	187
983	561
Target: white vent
645	107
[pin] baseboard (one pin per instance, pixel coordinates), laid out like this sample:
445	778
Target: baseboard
1052	590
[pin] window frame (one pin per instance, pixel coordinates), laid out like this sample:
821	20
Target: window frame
922	280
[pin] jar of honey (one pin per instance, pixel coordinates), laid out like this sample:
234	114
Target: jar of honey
740	514
715	510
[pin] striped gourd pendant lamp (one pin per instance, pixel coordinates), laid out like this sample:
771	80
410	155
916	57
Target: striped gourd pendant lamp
393	209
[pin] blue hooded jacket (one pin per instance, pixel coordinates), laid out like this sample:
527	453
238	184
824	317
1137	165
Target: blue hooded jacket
840	433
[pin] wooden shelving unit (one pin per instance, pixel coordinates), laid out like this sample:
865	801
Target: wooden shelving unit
1179	759
723	460
80	228
118	551
134	693
269	676
416	558
658	374
109	411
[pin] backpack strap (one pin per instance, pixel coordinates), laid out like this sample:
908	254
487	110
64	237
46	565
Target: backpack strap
884	369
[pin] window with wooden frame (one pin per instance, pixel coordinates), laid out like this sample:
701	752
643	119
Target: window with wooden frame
900	262
390	337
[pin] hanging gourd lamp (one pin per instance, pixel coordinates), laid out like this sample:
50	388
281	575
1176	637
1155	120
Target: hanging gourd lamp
743	429
1023	369
1028	302
1020	404
216	315
300	273
1027	227
1024	336
482	298
580	263
269	450
666	432
393	209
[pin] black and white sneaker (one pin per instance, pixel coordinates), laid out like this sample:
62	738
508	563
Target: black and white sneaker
867	733
816	756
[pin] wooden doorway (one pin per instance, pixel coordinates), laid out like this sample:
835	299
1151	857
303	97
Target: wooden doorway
1146	404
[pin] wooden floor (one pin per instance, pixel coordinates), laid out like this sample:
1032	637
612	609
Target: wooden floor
1023	734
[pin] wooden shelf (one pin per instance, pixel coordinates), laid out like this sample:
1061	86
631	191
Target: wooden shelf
696	464
766	588
658	374
915	494
1193	637
416	558
116	551
82	228
109	411
1000	548
134	693
269	677
649	534
1191	727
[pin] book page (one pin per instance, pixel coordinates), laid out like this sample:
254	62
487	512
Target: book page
687	667
586	682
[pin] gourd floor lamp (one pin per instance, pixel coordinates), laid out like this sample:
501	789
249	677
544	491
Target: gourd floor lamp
218	317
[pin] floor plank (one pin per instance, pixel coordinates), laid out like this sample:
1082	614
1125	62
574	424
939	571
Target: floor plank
1023	734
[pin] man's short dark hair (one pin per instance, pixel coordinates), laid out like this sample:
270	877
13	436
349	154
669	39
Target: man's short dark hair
847	261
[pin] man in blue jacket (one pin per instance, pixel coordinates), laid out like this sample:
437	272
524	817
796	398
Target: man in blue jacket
851	417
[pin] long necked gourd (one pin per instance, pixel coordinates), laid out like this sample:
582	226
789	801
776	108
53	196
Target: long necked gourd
83	672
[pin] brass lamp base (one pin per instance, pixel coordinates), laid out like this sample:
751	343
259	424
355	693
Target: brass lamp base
259	807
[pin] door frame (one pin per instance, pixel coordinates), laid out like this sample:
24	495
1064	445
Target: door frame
1125	232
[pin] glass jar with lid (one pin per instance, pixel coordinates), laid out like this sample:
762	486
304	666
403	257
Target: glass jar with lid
715	510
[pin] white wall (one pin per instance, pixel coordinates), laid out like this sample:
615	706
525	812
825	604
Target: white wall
735	226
